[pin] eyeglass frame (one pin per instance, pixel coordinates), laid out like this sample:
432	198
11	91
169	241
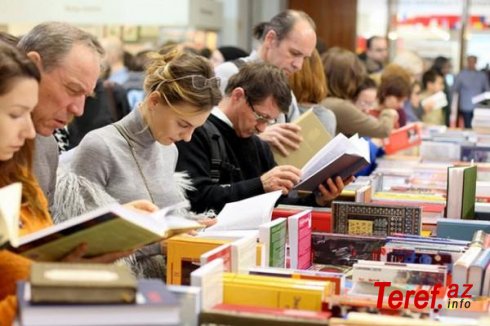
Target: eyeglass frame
259	117
208	82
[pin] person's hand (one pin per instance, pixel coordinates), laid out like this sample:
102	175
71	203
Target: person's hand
333	191
77	255
207	222
141	206
282	136
282	177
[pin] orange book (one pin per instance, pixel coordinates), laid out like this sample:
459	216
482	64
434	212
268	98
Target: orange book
402	138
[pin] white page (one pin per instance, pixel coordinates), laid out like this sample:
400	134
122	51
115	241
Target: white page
246	214
10	200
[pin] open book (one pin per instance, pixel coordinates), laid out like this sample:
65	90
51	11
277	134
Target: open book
342	157
246	214
314	135
107	229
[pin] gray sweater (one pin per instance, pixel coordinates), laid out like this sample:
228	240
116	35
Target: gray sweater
45	165
105	158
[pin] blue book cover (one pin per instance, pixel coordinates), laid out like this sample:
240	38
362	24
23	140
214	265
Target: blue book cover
460	229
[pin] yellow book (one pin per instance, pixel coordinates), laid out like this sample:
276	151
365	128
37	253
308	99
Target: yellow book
186	248
314	135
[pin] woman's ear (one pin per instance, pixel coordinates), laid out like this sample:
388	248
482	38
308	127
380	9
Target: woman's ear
153	99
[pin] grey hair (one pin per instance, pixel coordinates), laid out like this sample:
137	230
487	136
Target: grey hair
54	40
282	24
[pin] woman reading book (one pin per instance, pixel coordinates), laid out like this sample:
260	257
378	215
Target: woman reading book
19	83
136	157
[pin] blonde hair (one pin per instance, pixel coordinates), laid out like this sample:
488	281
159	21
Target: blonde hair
174	74
309	84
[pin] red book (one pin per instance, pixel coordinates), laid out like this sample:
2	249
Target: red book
223	251
402	138
299	231
320	217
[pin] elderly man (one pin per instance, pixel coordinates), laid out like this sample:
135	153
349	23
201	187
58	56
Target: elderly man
69	60
286	40
228	162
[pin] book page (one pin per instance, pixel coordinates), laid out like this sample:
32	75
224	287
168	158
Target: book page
246	214
10	201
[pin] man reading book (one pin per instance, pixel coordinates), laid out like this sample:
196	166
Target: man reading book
225	158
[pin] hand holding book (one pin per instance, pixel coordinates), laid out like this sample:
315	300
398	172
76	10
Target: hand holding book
282	136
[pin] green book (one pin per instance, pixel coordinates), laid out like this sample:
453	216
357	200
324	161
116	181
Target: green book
461	192
273	237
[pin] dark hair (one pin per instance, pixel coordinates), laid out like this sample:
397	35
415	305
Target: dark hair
205	52
9	39
260	80
439	63
430	76
178	68
369	41
282	24
232	52
15	65
54	40
367	83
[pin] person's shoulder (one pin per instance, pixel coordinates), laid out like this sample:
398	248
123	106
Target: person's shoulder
335	103
98	138
226	69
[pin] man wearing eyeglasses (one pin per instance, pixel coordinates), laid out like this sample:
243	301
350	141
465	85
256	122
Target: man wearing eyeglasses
286	40
225	158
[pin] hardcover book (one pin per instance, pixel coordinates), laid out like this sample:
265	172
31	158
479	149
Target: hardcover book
104	230
461	191
343	249
210	279
342	157
154	305
273	236
314	135
82	283
403	138
299	235
375	220
223	252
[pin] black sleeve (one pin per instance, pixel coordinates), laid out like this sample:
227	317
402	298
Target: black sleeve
195	158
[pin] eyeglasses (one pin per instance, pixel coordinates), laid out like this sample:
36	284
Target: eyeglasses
199	82
259	117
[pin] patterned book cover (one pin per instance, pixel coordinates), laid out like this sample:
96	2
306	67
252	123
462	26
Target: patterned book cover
375	220
343	249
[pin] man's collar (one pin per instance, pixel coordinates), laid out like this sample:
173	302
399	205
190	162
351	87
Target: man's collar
222	116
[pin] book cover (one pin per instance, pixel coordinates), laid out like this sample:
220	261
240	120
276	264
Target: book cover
398	273
273	236
461	192
485	291
343	249
375	220
155	305
223	252
299	235
210	279
342	157
475	153
229	314
184	254
314	135
82	283
403	138
460	229
104	230
320	216
275	292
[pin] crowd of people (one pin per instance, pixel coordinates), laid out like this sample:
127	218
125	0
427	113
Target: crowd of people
153	129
